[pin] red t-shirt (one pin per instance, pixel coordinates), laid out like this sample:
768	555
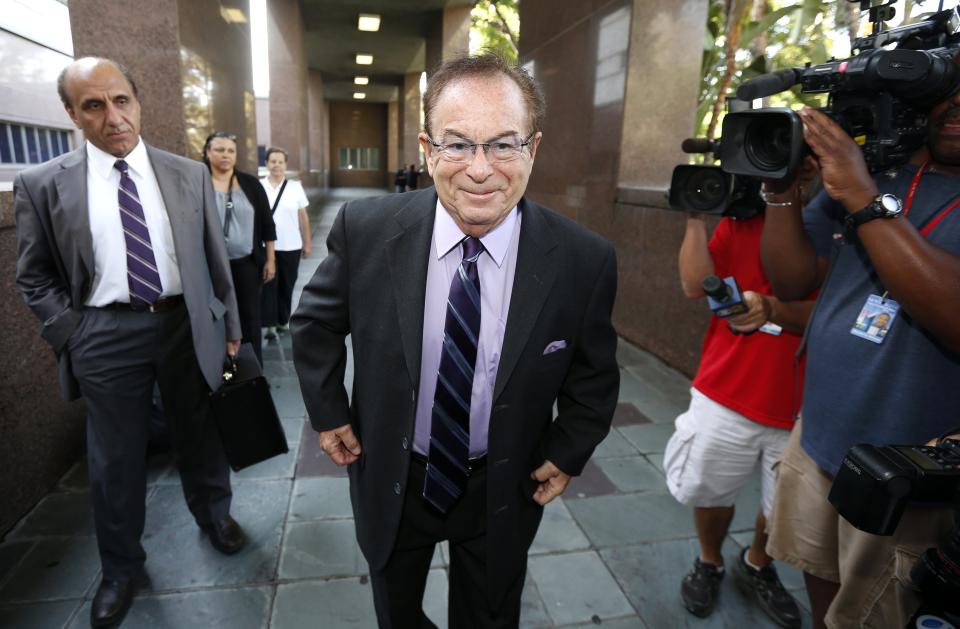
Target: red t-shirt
756	375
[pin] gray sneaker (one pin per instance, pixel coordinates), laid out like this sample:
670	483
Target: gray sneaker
764	586
700	588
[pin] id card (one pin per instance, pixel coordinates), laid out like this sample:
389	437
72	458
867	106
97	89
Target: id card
875	319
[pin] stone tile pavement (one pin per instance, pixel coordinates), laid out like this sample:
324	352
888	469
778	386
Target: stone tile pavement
610	553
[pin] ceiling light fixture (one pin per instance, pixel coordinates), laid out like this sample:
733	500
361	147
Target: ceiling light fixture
359	95
368	22
361	80
364	59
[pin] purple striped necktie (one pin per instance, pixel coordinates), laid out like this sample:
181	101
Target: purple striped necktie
143	278
449	457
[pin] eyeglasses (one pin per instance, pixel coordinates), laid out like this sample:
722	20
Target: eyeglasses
500	150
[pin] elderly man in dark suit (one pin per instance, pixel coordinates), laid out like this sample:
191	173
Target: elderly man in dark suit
472	312
122	258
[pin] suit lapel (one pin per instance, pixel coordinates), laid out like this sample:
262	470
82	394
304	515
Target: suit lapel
533	279
408	253
72	211
172	185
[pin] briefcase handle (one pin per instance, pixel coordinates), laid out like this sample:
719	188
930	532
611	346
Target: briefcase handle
231	371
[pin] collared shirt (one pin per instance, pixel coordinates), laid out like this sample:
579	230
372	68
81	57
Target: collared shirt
496	268
109	246
287	215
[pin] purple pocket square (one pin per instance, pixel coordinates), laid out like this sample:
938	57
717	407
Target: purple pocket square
554	347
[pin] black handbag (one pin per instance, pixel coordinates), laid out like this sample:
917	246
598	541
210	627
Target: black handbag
245	415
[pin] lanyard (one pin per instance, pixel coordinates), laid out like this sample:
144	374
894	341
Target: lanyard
913	192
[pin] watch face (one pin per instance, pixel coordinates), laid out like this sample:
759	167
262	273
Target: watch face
890	205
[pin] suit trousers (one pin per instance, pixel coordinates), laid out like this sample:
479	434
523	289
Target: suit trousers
117	356
247	284
398	588
278	293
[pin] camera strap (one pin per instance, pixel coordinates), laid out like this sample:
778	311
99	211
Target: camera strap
912	192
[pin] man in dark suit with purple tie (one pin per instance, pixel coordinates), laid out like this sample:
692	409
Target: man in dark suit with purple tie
472	311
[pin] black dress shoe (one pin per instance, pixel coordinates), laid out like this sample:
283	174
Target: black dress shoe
226	535
111	603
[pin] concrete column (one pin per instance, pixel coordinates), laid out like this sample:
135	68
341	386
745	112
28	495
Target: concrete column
289	102
393	136
319	133
409	117
448	36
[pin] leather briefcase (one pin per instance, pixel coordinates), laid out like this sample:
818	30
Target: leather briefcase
246	417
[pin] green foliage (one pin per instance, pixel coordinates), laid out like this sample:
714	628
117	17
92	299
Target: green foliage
495	25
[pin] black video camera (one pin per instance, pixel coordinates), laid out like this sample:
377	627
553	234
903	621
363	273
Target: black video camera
879	96
710	190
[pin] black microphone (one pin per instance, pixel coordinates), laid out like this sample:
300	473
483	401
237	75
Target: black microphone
699	145
768	84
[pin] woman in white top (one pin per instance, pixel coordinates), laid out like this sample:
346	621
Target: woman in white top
293	240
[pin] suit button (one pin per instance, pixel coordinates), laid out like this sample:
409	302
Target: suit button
404	443
396	488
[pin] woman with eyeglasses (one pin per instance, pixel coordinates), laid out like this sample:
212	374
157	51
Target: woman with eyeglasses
247	227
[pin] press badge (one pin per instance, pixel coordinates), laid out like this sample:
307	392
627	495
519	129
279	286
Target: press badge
875	318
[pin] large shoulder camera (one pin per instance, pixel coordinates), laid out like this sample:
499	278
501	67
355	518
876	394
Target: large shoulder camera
880	96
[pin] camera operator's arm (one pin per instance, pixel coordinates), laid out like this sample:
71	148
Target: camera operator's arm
922	277
695	260
789	315
789	257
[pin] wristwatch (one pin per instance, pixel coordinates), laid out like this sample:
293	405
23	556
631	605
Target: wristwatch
884	206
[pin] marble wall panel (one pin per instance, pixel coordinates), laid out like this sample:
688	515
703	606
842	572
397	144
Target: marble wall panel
289	103
360	125
148	44
217	80
318	143
587	56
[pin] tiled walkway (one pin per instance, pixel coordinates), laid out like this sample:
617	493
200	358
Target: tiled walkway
611	552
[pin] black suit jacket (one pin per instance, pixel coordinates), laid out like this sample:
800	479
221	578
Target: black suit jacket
372	286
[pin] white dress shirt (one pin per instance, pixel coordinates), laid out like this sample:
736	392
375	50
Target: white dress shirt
109	246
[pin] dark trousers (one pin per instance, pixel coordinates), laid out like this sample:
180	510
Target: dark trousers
398	588
117	356
277	299
247	284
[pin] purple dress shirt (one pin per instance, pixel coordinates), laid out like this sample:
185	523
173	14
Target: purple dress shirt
496	266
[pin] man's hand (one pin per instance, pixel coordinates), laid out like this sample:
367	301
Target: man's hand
233	347
758	313
842	167
340	444
552	482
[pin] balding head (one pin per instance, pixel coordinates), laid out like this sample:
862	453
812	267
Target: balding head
84	66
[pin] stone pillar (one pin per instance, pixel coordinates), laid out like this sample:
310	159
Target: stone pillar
288	82
192	69
448	36
393	137
319	134
409	115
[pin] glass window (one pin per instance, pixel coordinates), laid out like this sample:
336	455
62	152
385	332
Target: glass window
6	150
356	158
19	157
22	144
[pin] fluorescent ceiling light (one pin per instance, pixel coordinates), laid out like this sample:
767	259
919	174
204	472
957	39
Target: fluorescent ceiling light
359	95
368	22
364	59
233	16
361	80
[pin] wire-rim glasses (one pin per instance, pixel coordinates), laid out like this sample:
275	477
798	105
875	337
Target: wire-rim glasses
505	149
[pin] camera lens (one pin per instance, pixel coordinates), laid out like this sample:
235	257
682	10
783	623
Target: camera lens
767	142
705	190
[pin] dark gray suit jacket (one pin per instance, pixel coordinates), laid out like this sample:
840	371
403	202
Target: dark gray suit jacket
55	253
372	286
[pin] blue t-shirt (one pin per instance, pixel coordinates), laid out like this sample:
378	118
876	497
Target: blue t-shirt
903	391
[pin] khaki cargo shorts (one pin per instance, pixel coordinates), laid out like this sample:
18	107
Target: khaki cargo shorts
873	571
